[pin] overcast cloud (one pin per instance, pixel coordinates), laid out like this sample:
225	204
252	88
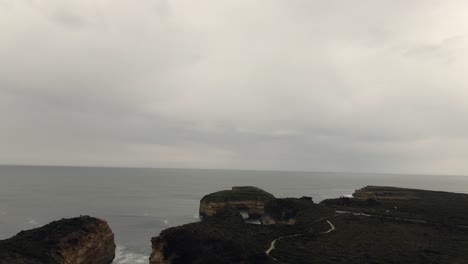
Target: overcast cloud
364	85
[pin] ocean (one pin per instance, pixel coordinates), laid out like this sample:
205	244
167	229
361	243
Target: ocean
139	203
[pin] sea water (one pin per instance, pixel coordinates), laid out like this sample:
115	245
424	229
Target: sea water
139	203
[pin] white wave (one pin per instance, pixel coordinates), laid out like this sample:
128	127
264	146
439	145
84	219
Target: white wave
33	222
166	222
146	214
124	256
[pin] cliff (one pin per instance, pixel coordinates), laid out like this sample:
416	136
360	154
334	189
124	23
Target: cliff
247	199
224	237
378	225
221	239
385	193
80	240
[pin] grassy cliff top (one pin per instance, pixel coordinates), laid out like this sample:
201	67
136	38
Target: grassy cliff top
432	206
241	193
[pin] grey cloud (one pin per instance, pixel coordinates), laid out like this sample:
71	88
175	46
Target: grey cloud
303	85
447	50
69	19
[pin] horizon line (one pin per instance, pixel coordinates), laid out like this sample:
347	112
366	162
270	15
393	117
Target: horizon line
225	169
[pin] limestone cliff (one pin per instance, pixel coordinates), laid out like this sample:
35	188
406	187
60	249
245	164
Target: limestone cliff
80	240
384	193
248	199
158	246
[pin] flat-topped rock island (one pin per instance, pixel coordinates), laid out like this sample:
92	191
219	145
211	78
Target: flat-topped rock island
246	199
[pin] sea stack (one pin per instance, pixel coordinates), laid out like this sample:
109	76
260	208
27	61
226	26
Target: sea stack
248	200
80	240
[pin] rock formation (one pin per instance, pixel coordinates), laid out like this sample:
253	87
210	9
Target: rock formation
224	237
157	253
247	199
80	240
221	239
384	193
378	225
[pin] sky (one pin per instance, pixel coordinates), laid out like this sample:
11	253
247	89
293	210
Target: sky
362	86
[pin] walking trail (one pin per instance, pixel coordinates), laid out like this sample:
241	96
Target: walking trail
273	243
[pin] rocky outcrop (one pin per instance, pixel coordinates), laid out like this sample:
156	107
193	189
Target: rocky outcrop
222	239
268	220
379	193
246	199
253	208
223	236
285	211
158	253
80	240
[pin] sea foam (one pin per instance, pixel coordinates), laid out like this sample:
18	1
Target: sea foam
125	256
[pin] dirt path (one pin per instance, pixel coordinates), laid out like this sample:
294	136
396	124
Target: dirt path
383	216
332	227
273	243
394	218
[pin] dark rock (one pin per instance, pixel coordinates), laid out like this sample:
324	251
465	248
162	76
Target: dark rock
77	240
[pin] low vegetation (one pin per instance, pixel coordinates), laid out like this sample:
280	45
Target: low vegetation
239	194
413	226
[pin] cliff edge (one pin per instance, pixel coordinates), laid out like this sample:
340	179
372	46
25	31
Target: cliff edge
77	240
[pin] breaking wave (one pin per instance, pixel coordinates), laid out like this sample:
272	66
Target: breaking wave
124	256
33	222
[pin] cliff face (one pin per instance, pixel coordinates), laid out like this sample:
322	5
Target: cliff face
384	193
81	240
249	199
94	246
254	208
157	253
